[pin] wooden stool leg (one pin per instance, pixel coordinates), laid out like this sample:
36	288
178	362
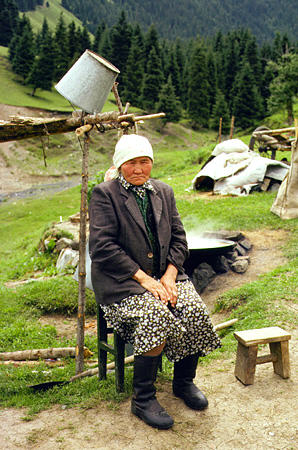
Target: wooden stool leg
282	364
246	363
119	346
102	335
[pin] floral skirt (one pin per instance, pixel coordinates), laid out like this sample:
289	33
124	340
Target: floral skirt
146	323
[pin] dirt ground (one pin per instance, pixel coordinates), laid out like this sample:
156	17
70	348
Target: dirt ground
260	416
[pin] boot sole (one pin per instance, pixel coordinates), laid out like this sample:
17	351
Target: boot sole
191	406
141	416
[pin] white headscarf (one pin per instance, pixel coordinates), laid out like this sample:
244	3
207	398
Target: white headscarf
131	146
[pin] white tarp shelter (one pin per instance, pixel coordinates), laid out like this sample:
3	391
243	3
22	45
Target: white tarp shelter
235	169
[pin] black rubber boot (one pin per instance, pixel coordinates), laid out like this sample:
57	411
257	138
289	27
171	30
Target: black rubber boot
183	386
144	403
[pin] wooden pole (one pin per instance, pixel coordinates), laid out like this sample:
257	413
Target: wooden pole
82	260
219	130
232	127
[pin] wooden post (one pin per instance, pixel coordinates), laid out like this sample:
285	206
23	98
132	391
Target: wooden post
219	130
232	127
82	260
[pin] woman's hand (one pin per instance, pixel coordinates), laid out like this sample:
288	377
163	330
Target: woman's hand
150	284
168	280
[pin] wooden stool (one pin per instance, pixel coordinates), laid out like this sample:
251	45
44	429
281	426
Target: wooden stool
247	359
119	349
104	348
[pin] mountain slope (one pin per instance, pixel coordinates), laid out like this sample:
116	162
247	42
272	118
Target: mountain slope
187	18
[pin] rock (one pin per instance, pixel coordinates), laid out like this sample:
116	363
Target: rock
67	257
75	245
240	250
220	264
63	243
202	275
246	244
240	265
231	256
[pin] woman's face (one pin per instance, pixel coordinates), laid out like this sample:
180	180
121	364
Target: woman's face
137	170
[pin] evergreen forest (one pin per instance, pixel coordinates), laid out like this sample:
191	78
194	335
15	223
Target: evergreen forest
187	18
198	79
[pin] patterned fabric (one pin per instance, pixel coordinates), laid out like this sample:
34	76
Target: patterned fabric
146	323
139	190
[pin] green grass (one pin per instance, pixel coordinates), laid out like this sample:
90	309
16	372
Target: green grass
52	15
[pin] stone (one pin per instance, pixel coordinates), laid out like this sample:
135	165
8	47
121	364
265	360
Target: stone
63	243
246	244
240	250
231	256
220	264
75	245
67	257
202	275
240	265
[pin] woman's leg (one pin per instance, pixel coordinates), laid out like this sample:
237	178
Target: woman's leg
156	351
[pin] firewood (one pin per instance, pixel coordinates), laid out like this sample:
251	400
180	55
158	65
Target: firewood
43	353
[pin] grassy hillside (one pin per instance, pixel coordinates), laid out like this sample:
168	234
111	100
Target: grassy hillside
52	14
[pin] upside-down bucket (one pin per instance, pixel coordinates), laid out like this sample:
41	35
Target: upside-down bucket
88	82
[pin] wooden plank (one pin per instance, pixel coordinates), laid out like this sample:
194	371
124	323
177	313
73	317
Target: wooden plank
262	336
281	352
245	366
266	359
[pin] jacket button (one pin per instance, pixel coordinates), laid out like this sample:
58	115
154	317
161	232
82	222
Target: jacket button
149	272
150	255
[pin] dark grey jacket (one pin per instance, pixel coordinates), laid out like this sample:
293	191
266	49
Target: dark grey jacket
119	244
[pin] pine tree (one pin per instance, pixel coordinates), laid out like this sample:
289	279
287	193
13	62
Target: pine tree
198	101
120	46
22	23
105	48
212	78
9	17
98	36
173	71
43	70
180	58
152	41
251	54
247	105
83	40
134	73
153	81
220	110
71	41
232	57
61	51
168	102
24	52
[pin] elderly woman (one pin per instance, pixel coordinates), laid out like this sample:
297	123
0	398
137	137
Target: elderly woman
138	248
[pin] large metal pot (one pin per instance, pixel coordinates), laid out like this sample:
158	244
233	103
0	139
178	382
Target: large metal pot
203	249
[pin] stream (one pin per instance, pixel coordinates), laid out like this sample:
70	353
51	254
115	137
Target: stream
38	190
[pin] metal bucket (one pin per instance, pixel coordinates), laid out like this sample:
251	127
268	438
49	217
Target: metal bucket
88	82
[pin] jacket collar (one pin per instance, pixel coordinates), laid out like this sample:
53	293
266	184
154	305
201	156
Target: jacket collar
134	210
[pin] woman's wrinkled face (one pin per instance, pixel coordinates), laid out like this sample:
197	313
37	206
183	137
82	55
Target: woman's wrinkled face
137	170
